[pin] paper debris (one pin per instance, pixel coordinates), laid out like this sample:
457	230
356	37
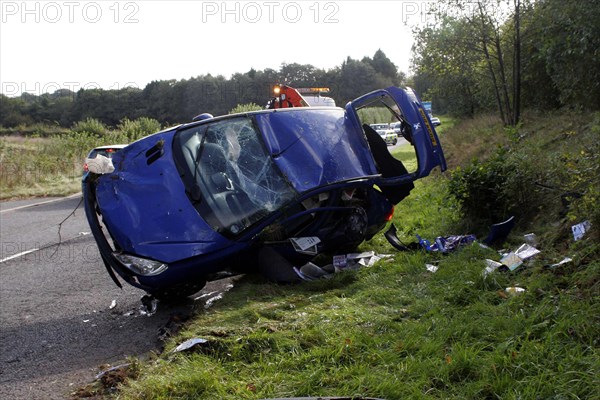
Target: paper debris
579	230
306	245
431	268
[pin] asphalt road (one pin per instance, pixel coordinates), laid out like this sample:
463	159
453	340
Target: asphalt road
57	326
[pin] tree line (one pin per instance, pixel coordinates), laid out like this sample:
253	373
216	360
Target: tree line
506	55
178	101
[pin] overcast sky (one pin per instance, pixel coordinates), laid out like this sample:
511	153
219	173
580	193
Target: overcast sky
47	45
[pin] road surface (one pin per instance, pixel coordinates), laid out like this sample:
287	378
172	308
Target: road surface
56	322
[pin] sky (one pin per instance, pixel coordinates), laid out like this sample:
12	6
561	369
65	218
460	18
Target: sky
50	45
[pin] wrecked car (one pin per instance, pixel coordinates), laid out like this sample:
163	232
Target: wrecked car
257	191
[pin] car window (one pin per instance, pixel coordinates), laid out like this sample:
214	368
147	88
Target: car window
385	109
237	180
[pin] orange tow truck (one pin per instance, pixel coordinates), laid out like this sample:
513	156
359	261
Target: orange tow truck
287	97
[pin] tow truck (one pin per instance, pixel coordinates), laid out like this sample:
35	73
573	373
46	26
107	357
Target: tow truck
288	97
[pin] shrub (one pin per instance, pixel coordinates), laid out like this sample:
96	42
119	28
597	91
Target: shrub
90	125
133	130
241	108
493	190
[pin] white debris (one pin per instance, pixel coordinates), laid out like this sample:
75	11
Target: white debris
188	344
491	266
100	165
431	268
562	262
526	251
579	230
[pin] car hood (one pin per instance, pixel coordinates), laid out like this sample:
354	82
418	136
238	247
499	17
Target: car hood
316	147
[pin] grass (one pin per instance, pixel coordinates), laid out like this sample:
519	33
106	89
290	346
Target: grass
38	167
393	331
42	160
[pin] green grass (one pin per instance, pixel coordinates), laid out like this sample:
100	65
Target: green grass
394	330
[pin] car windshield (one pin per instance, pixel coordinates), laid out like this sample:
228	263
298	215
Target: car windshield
229	175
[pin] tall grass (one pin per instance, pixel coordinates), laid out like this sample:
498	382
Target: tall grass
51	164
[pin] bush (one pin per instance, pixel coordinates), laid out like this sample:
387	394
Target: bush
241	108
493	190
90	125
138	128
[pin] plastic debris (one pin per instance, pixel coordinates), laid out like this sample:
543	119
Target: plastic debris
100	165
514	290
113	304
189	344
310	272
579	230
530	238
210	301
431	268
392	238
353	261
491	266
446	244
564	261
499	231
109	370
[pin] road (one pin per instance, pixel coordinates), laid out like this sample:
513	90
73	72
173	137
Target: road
56	322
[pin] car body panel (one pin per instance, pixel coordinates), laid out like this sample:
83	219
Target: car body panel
339	153
423	135
154	198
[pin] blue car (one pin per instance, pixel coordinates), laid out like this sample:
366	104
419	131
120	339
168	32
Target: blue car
259	191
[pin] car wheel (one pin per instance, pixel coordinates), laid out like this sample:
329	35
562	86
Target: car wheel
395	141
178	293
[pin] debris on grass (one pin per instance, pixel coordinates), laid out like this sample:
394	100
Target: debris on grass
580	229
530	238
491	266
446	244
190	344
514	290
564	261
431	268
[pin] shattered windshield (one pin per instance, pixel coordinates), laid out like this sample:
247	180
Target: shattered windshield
229	175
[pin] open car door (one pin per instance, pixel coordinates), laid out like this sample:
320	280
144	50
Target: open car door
417	150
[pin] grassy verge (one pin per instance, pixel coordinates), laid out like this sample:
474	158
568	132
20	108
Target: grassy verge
41	161
396	330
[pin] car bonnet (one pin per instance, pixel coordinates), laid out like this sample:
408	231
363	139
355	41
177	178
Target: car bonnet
315	147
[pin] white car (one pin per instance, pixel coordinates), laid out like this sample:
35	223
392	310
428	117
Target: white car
386	133
436	121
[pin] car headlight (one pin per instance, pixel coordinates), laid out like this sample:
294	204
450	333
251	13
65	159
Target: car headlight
141	266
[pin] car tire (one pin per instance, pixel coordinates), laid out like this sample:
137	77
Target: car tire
395	142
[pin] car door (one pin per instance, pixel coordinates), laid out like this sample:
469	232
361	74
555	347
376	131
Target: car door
418	149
